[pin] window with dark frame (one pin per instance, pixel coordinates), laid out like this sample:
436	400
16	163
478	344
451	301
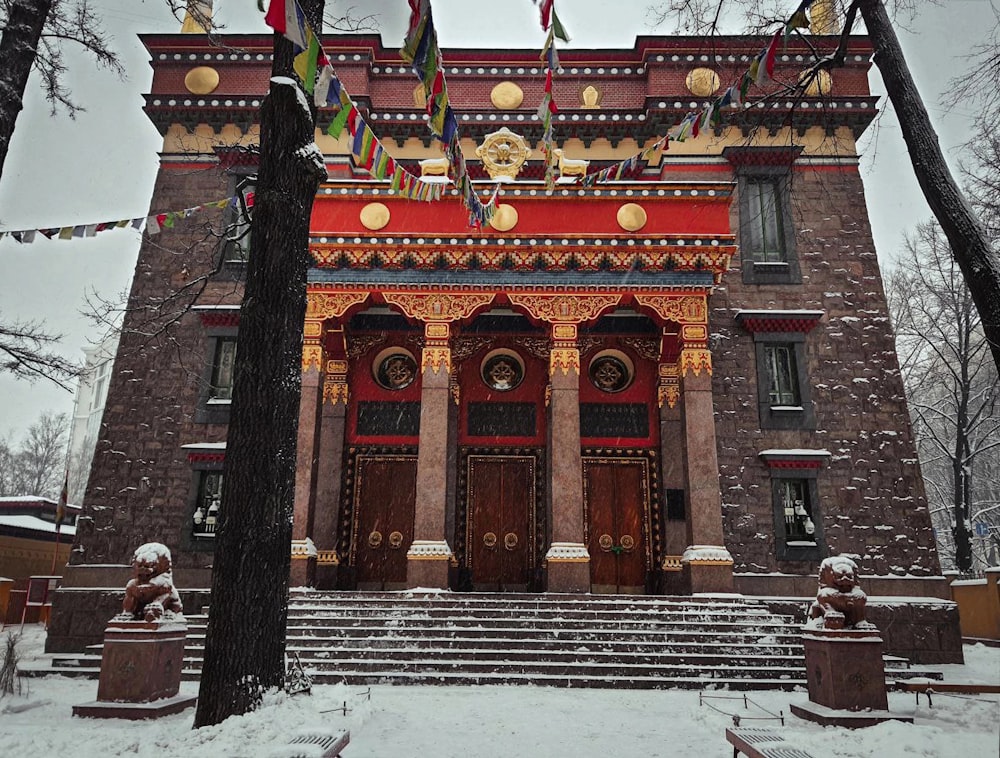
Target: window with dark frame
764	238
204	520
223	362
783	375
796	506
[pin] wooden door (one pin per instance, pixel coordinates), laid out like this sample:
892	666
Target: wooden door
500	521
616	503
384	497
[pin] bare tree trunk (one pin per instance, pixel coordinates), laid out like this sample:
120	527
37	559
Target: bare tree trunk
17	54
245	643
966	234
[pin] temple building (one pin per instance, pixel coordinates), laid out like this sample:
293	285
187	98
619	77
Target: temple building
681	380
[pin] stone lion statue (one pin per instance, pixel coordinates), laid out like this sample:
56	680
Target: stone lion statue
150	595
840	603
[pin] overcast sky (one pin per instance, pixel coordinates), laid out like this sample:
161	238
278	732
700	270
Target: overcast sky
101	165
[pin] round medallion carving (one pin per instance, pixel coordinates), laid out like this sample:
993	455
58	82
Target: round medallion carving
504	218
702	82
510	541
490	540
502	370
395	369
375	539
201	80
374	216
606	541
611	371
631	217
628	541
396	540
507	96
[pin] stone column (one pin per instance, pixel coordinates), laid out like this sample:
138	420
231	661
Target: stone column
673	476
707	564
303	550
567	558
429	554
333	417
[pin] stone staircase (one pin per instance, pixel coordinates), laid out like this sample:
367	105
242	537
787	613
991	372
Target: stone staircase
554	640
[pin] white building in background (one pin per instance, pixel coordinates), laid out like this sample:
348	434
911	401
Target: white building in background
88	409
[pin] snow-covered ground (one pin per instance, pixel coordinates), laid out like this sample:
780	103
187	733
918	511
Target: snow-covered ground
497	721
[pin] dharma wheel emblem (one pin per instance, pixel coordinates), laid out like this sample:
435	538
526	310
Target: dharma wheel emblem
503	153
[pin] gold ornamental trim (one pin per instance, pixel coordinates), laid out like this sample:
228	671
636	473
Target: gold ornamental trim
672	563
438	306
560	308
327	305
395	540
654	257
336	366
687	309
327	558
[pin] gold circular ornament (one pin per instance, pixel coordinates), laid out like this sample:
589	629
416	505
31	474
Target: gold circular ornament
396	540
820	85
702	82
490	539
503	153
628	541
606	541
631	217
374	216
504	218
201	80
510	540
375	539
507	96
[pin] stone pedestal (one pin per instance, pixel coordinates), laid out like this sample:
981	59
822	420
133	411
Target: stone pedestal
140	671
568	567
846	678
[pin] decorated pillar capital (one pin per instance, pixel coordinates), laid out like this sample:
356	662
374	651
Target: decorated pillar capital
668	390
312	345
565	354
694	355
436	354
335	388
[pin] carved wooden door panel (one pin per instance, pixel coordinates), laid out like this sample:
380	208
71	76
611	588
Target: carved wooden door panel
385	492
501	504
616	504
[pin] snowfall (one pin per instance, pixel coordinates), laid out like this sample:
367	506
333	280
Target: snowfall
498	721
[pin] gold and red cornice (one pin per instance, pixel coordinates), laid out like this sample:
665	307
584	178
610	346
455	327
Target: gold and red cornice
438	307
558	308
521	258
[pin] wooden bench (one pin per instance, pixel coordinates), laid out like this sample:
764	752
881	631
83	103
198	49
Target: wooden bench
313	743
762	743
931	688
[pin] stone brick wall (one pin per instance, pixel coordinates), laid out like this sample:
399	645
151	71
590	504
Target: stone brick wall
871	493
924	632
140	478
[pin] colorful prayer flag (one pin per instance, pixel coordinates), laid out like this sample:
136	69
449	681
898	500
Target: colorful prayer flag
287	19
